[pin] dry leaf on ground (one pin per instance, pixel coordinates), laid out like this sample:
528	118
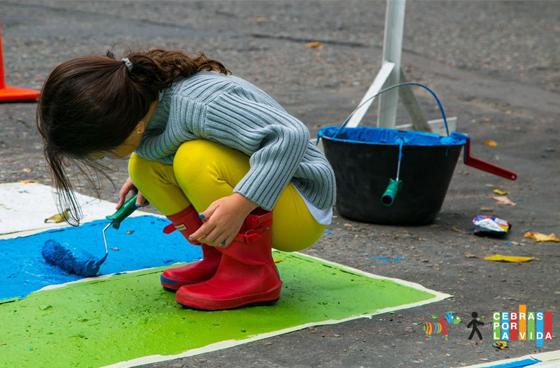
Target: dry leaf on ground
541	238
504	200
314	45
259	19
503	258
59	217
500	192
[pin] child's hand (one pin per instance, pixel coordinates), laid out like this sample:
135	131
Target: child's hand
127	187
223	220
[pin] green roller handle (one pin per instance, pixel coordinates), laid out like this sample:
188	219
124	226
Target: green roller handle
388	198
123	212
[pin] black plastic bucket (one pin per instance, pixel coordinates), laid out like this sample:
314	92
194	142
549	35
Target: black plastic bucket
364	159
396	177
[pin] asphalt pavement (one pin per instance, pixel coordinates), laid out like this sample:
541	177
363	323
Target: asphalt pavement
493	63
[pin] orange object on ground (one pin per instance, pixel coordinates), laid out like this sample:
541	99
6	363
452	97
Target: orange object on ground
9	93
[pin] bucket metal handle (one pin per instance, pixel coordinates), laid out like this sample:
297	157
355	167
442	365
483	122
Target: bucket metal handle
440	105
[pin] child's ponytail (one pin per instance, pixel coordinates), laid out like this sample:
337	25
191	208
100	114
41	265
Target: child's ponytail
92	104
159	68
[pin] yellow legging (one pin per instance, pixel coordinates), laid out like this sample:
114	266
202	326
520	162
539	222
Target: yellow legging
204	171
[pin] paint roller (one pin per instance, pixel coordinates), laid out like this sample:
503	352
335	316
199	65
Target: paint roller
78	261
390	194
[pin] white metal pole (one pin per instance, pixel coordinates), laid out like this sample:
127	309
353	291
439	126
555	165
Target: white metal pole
392	51
367	100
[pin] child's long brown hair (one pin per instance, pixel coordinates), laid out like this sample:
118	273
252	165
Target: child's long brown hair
92	104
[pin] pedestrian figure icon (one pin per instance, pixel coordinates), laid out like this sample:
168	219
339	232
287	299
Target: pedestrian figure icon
474	323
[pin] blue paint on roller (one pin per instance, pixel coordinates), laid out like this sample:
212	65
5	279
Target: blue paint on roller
71	259
24	270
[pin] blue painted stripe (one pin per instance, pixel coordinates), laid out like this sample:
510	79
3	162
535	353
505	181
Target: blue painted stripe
516	364
139	243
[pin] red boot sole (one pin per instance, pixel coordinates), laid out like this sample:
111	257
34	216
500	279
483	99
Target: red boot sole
267	298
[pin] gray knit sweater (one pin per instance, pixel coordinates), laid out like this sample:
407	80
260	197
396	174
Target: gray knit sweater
232	111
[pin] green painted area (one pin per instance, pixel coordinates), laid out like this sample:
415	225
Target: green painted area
100	322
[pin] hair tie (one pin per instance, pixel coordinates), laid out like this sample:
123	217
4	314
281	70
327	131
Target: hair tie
128	63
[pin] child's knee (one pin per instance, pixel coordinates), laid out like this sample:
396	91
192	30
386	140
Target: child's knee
191	158
295	242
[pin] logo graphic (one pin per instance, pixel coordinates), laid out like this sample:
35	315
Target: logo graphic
441	326
523	326
474	323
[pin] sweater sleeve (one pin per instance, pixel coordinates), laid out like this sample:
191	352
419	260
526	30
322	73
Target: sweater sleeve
275	141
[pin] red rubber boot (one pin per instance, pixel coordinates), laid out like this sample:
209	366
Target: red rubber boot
187	222
246	274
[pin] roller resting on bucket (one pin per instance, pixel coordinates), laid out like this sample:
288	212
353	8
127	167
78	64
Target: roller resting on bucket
209	150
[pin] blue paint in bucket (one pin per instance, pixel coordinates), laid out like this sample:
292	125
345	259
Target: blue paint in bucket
140	243
386	136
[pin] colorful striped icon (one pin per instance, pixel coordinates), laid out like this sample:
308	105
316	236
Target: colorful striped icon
441	327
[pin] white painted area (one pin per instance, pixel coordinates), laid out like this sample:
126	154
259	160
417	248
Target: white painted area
25	206
549	359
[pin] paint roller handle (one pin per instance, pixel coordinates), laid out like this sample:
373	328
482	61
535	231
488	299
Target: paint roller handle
388	197
123	212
